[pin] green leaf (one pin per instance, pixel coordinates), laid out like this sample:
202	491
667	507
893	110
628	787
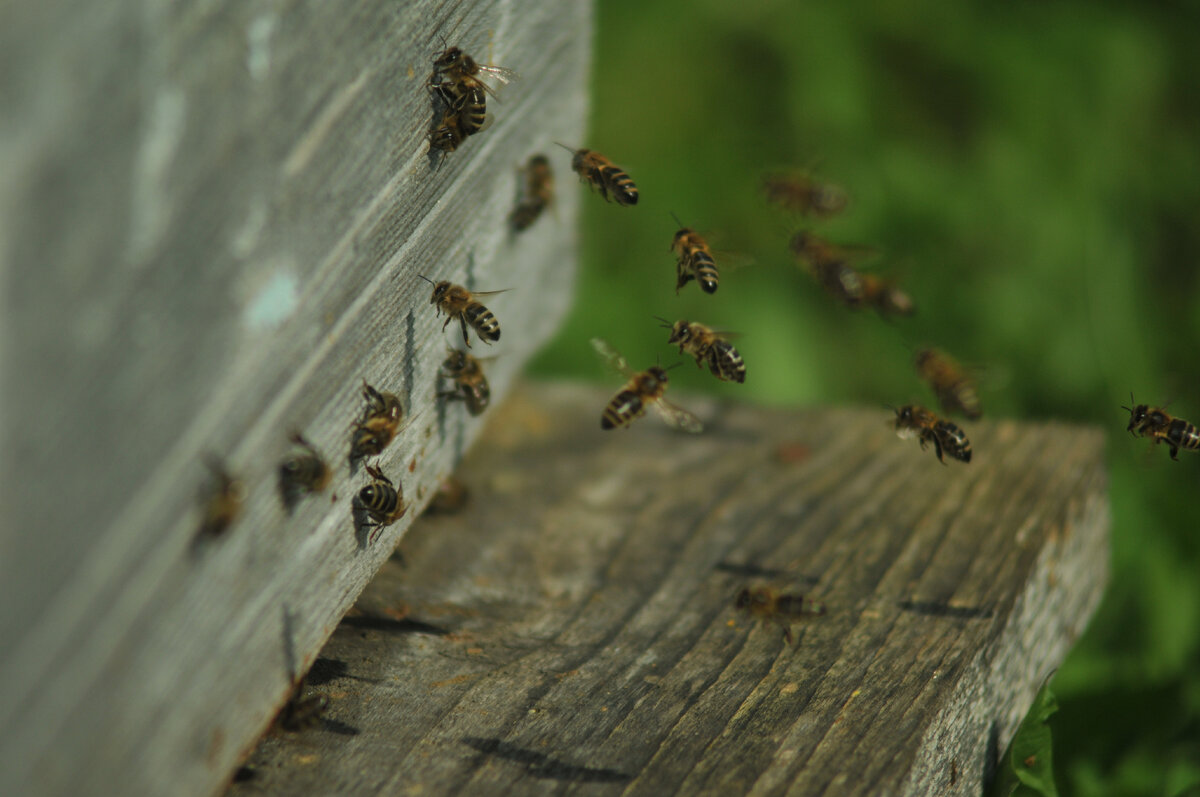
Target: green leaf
1028	769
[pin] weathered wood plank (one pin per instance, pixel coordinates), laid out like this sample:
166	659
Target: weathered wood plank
212	219
574	630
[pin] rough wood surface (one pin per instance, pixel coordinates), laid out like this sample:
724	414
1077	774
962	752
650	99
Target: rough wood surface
212	219
573	630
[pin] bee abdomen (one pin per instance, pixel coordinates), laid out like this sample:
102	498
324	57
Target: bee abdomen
622	187
726	363
954	440
796	605
1183	434
379	499
621	411
483	321
706	271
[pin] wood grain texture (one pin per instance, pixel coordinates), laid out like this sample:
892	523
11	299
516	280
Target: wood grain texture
212	219
573	630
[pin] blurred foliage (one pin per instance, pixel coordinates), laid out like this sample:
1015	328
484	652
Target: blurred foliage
1029	172
1027	769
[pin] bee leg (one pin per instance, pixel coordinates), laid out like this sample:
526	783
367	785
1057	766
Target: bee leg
446	323
937	444
1174	451
462	322
787	634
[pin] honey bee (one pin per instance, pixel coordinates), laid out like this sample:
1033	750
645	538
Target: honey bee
885	297
459	304
801	193
694	260
643	387
301	474
378	425
600	173
446	137
383	501
223	502
830	264
450	498
302	713
463	90
470	385
538	194
955	390
770	605
914	421
709	348
1154	422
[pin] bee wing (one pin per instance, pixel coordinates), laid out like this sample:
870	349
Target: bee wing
501	75
677	417
732	261
489	293
612	358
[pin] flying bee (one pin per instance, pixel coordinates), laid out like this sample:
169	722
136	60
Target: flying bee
600	173
382	500
801	193
378	425
709	348
223	501
1154	422
955	390
470	385
770	605
462	88
643	387
459	304
694	260
830	264
538	194
914	421
302	473
885	297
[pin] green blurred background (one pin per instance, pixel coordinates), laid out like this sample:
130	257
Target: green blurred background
1031	172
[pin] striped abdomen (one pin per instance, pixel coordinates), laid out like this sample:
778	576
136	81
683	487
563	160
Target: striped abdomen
952	440
380	500
624	408
481	318
619	184
725	362
1181	434
798	606
842	281
705	270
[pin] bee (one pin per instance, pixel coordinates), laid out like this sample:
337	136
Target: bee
383	501
709	348
830	264
378	425
447	136
600	173
1154	422
694	260
470	385
643	387
538	194
302	713
450	498
459	304
955	390
301	474
801	193
914	421
463	90
885	297
223	501
773	606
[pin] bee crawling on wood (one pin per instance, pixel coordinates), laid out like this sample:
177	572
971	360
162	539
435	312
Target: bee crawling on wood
301	713
457	80
771	605
602	175
643	388
377	427
460	304
302	473
914	421
222	503
709	348
382	500
1154	422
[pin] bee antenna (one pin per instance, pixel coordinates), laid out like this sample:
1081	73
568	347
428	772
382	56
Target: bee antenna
422	276
564	146
676	365
665	323
677	221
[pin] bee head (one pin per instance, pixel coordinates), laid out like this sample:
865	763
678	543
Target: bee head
744	598
455	361
449	57
681	332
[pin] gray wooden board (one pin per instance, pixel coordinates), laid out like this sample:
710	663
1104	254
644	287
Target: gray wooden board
573	629
212	219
